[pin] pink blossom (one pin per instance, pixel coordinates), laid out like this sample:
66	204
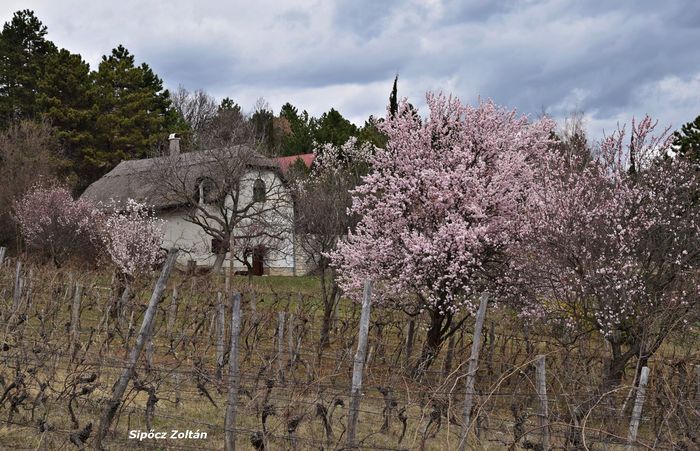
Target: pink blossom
132	238
52	222
442	203
614	245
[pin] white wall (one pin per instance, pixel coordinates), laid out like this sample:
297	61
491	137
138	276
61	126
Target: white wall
196	244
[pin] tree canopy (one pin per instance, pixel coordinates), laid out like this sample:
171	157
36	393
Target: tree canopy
440	208
117	112
687	140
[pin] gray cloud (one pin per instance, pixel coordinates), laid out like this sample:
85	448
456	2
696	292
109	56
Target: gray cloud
611	60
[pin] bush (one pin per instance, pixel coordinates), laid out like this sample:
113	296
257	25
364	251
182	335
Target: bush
58	226
132	238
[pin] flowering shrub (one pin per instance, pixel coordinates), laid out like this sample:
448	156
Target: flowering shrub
52	222
132	238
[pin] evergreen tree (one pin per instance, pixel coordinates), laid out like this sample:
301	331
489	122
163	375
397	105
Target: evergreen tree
64	101
393	101
289	112
133	112
227	104
370	133
687	140
333	128
24	50
300	140
262	125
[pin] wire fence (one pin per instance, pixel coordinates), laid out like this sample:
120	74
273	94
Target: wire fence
294	391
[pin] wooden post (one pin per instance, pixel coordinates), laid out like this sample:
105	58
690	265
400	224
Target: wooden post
471	372
172	314
233	377
75	322
150	351
280	346
637	409
28	295
146	329
541	381
220	332
290	342
697	386
18	287
358	367
3	249
191	267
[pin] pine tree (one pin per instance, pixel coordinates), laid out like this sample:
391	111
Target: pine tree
687	139
132	110
23	54
227	104
301	138
64	100
262	125
334	129
370	133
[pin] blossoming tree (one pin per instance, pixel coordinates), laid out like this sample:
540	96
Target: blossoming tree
439	209
613	245
132	238
51	222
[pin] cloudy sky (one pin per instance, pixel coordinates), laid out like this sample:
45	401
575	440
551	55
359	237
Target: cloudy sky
609	59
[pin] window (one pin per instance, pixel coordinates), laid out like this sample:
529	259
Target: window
259	191
218	246
205	191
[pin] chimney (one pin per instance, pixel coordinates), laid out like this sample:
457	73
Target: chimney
174	144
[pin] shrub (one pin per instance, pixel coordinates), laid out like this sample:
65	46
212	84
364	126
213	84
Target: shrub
132	238
51	221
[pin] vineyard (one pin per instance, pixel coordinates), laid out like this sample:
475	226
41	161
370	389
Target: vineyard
69	339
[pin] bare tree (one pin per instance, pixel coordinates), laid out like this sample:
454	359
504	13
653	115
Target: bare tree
28	153
197	108
266	127
322	201
233	194
228	127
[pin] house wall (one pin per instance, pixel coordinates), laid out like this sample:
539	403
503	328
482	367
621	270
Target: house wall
303	264
277	213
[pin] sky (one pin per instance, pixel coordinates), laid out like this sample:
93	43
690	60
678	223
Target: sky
609	60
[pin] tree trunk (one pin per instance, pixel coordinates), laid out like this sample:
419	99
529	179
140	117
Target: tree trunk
328	309
618	362
433	341
612	378
329	298
218	263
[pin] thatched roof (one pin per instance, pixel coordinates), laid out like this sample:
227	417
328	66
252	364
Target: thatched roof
141	180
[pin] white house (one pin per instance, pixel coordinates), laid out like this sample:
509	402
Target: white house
191	192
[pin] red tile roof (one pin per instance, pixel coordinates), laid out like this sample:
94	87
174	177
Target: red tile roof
286	162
